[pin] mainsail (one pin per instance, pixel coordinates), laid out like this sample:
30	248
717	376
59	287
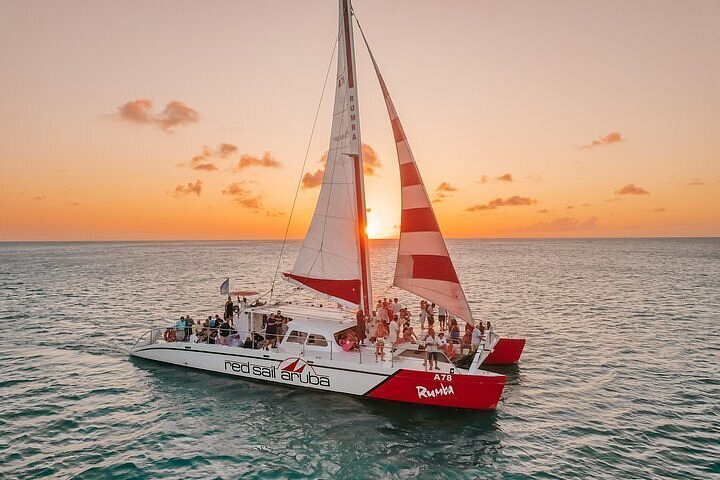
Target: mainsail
423	263
333	259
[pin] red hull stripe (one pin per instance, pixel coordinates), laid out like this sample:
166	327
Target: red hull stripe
434	267
409	175
418	220
506	352
478	392
346	289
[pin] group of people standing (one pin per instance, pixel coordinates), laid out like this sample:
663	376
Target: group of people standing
390	323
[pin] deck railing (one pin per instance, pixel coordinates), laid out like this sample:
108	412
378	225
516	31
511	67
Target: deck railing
176	334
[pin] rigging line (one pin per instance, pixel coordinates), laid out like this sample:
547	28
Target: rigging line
307	152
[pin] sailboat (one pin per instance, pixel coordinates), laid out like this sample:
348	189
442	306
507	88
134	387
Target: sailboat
334	262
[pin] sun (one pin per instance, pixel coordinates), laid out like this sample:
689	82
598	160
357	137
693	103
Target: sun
373	229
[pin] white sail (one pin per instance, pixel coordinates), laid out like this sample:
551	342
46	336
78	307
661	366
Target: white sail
423	263
333	259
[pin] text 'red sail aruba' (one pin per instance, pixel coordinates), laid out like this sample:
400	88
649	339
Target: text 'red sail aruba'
423	264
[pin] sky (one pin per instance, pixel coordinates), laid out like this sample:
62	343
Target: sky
155	120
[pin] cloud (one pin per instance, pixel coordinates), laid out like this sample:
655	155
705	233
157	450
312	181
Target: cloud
483	179
445	187
505	178
443	191
609	139
370	164
39	197
565	224
137	111
175	114
312	180
267	161
275	214
182	190
514	201
544	210
695	182
200	162
370	160
569	207
631	189
661	209
243	196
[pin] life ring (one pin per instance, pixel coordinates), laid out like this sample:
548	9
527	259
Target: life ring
170	335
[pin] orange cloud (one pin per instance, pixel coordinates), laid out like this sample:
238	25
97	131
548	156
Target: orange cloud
370	160
136	111
514	201
445	187
505	178
370	164
483	179
661	209
565	224
312	180
175	114
695	182
182	190
199	162
609	139
631	189
544	210
243	196
443	191
266	160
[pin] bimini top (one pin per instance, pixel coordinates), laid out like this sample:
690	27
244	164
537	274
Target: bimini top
300	312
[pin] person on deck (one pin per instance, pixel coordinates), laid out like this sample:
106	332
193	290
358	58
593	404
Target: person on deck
396	307
431	349
224	332
477	334
431	315
189	322
360	317
180	329
248	342
228	308
393	332
423	314
409	335
442	315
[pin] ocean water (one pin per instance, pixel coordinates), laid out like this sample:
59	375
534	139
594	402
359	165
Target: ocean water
620	377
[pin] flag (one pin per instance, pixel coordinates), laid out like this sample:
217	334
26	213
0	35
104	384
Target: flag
225	287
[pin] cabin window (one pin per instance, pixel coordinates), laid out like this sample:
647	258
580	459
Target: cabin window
317	341
296	337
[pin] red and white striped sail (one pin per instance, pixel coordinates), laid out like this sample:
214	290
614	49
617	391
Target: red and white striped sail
423	264
333	259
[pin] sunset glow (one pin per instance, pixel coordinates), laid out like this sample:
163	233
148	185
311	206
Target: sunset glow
526	119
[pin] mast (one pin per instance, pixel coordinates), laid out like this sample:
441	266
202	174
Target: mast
334	260
363	251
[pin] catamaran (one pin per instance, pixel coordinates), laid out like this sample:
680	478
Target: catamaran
334	263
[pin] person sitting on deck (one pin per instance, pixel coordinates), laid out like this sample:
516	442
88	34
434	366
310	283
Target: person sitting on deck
467	337
248	342
346	343
409	335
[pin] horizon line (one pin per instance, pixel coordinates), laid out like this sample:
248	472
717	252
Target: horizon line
659	237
